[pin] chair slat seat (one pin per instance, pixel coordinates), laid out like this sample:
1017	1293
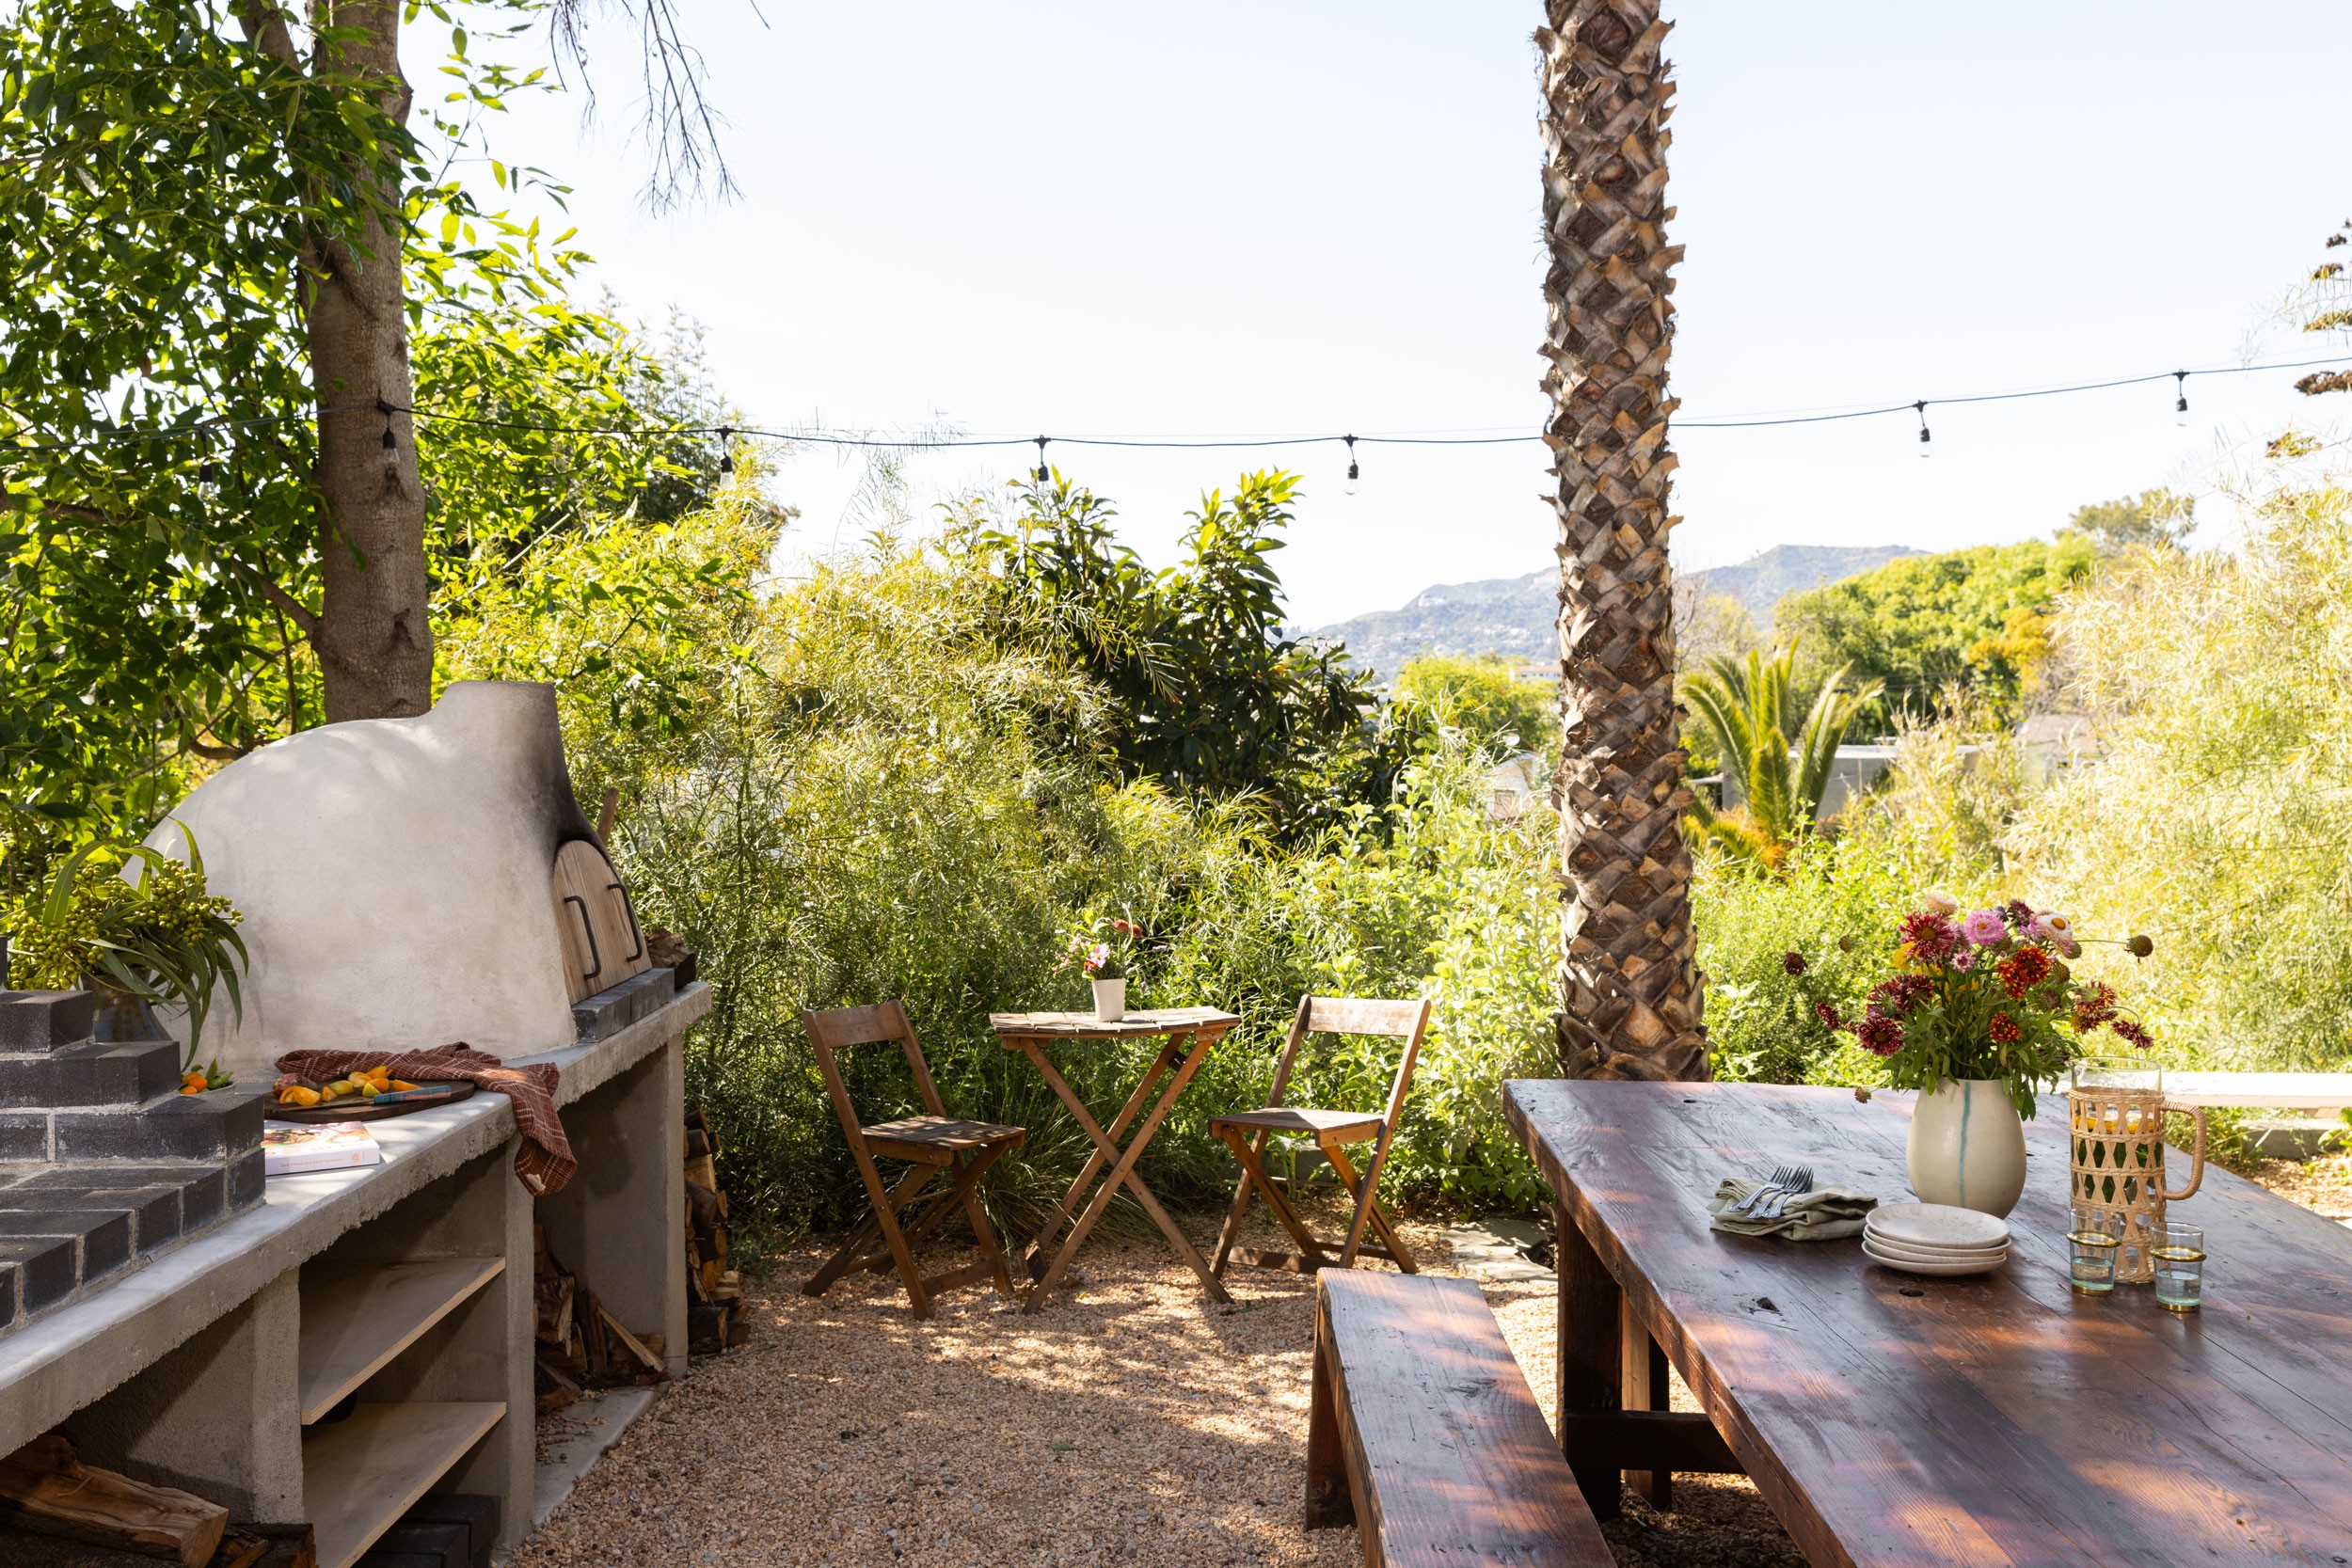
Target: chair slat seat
1299	1119
936	1137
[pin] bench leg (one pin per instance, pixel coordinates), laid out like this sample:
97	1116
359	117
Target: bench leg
1330	1503
1590	1346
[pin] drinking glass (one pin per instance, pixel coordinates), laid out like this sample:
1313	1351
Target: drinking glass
2180	1259
2094	1241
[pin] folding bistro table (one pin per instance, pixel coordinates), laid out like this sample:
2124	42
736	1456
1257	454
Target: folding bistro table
1890	1420
1187	1034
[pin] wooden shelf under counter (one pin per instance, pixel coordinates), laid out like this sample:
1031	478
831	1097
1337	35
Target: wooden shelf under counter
355	1317
360	1474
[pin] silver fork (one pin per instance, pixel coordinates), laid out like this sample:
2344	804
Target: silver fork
1797	1185
1781	1175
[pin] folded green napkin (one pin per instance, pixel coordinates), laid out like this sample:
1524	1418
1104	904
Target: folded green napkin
1820	1215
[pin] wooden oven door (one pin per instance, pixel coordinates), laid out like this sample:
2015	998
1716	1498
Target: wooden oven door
603	944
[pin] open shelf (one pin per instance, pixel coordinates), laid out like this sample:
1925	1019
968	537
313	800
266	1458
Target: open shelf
355	1317
363	1473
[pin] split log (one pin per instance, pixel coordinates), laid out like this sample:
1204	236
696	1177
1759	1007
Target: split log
45	1489
633	1344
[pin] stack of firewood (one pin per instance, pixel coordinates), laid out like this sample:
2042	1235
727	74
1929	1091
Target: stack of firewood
714	1296
56	1512
579	1344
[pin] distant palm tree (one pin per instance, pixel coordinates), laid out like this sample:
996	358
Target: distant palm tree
1628	973
1752	708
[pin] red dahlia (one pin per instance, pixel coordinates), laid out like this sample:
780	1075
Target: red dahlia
1880	1035
2022	970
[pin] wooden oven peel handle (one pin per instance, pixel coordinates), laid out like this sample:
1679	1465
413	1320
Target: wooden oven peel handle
628	907
596	960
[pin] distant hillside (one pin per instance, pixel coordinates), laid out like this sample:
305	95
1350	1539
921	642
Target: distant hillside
1513	616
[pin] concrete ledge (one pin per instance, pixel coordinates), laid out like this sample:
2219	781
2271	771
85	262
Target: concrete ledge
53	1367
576	1438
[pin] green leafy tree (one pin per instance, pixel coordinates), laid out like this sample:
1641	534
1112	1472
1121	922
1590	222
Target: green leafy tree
1970	621
1484	699
1781	748
2154	517
227	232
1211	697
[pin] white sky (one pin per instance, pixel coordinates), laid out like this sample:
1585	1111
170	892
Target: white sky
1278	218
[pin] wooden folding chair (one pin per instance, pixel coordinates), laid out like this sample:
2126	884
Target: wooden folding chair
935	1143
1246	1132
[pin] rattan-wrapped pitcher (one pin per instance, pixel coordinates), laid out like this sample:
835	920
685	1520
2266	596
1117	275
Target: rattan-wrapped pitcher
2115	1119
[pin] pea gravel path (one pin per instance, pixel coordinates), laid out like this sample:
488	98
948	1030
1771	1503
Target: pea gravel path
1131	1422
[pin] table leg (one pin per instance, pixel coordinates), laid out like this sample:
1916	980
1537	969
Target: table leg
1123	1175
1591	1338
1643	1385
1105	1150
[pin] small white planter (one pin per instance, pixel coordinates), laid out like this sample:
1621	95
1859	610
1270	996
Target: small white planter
1110	1000
1967	1148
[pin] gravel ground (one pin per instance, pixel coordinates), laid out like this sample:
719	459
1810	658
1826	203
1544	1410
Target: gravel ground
1131	1422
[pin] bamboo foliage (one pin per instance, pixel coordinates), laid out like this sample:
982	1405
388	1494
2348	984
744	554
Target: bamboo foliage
1629	986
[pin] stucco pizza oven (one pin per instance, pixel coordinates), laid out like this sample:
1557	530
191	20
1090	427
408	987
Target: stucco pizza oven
410	883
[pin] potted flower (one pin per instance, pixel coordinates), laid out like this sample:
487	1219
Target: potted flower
1106	960
1977	1013
161	940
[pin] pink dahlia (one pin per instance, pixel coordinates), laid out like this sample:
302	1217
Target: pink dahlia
1985	928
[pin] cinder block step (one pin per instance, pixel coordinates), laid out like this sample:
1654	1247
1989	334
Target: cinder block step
44	1019
90	1073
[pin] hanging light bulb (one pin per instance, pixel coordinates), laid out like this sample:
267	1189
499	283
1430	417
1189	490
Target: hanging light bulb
1044	475
1351	463
389	443
726	450
1925	449
2180	408
205	473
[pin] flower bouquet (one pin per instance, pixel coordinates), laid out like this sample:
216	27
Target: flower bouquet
1106	960
1980	1012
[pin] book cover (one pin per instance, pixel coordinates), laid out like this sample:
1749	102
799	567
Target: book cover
318	1146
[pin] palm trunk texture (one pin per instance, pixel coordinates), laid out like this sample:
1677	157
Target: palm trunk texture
1629	981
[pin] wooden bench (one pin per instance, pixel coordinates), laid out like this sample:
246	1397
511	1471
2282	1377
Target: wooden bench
1423	1434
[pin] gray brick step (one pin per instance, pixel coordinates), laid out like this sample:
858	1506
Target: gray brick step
89	1074
45	1020
66	1228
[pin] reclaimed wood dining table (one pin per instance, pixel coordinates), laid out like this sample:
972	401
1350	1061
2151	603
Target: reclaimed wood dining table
1891	1418
1186	1036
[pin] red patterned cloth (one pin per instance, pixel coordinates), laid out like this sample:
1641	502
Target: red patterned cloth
544	1163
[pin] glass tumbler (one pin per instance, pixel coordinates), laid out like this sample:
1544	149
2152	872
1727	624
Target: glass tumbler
2092	1243
2180	1259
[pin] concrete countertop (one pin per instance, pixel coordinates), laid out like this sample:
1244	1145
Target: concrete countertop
53	1367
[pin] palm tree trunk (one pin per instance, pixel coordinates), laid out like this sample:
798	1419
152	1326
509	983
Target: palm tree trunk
1630	985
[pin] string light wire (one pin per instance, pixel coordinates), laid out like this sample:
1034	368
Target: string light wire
1211	443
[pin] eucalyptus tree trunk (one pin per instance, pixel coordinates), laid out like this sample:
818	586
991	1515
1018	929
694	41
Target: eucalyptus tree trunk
372	631
1629	986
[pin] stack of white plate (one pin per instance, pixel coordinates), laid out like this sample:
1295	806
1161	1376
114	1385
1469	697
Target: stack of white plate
1935	1238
